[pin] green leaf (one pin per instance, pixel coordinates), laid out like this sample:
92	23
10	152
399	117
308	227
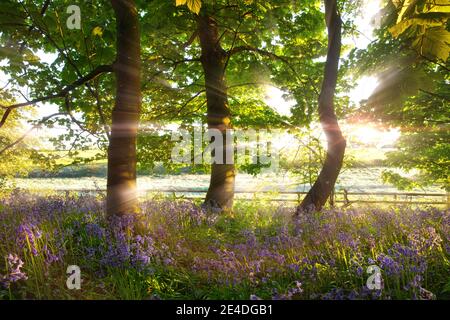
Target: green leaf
435	42
437	6
407	6
194	5
97	31
402	26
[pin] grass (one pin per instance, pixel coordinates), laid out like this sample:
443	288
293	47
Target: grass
255	251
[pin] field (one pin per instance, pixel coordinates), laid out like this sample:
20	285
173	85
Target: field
355	179
365	176
258	251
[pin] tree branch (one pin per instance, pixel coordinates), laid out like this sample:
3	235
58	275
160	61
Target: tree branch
190	40
61	94
9	146
435	94
272	56
72	117
257	50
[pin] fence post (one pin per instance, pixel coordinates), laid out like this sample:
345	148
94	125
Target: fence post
448	199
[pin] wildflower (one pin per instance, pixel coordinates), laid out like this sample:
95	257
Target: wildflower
27	236
359	271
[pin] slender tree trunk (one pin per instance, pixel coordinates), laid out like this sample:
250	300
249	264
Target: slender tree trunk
324	185
121	190
221	188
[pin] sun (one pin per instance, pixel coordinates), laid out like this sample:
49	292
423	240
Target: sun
274	99
366	134
365	87
370	135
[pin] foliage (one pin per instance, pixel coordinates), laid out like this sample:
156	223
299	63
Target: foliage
424	24
43	55
284	52
426	151
412	94
18	161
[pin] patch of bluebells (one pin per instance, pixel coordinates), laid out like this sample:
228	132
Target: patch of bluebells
113	245
333	246
362	293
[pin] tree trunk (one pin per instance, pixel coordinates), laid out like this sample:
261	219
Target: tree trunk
121	185
324	185
221	188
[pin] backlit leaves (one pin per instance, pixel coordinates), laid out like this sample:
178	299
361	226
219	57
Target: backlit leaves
402	26
97	31
424	22
434	42
193	5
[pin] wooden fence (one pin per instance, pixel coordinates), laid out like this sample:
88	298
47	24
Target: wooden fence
344	197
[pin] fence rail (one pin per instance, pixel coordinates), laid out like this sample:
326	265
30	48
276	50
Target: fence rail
339	197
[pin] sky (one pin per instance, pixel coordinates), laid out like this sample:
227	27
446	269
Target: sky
274	97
